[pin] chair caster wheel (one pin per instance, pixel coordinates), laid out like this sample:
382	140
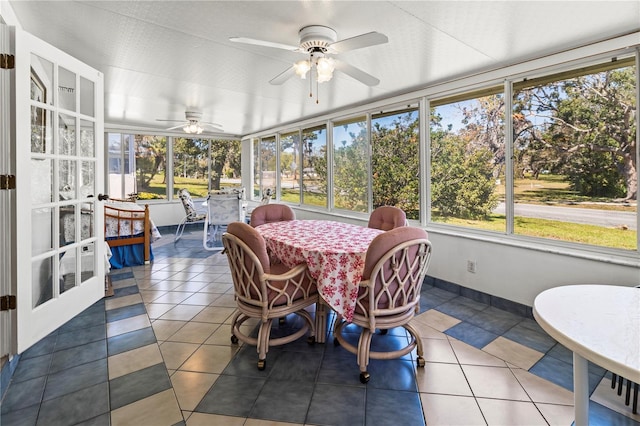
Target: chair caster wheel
281	320
234	339
384	331
336	342
364	377
311	340
421	362
262	364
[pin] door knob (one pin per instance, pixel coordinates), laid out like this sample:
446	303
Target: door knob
102	197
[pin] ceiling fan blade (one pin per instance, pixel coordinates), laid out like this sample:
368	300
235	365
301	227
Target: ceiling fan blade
358	42
282	77
265	43
212	125
175	127
356	73
170	121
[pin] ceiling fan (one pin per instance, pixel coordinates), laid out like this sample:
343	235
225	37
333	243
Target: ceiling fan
193	124
318	41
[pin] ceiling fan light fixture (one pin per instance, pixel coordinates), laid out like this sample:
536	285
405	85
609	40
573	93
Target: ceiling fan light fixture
324	69
193	127
302	68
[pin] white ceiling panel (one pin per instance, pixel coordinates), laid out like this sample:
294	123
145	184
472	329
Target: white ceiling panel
161	58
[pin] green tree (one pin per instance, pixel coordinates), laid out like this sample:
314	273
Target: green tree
151	153
224	152
350	172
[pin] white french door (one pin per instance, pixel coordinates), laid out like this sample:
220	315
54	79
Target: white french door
60	263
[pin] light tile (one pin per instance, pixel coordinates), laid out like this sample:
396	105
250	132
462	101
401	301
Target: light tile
119	302
174	297
494	382
133	360
438	350
156	310
540	390
227	300
190	387
159	409
222	336
450	410
500	412
148	296
209	359
470	355
202	419
182	312
513	352
175	354
438	320
214	314
442	379
163	329
203	299
557	415
126	325
194	332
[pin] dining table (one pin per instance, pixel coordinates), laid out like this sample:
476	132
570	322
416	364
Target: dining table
599	323
333	251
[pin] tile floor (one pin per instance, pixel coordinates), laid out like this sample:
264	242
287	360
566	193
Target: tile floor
159	353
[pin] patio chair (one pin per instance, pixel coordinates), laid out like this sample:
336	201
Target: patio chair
192	215
395	265
223	207
387	218
271	213
264	291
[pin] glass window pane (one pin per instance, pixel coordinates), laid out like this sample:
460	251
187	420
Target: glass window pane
467	162
41	130
41	181
395	161
86	221
87	262
66	89
256	169
67	134
87	138
289	167
88	179
268	164
225	164
190	166
42	237
67	225
314	166
575	162
42	281
351	165
87	97
41	80
150	161
67	180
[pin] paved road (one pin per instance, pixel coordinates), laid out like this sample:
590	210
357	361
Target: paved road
608	218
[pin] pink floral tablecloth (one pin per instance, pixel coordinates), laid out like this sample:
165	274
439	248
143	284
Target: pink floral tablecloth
333	251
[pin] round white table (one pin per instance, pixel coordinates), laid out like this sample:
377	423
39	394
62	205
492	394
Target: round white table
599	323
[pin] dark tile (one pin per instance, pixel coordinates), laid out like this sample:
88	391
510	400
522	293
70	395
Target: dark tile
119	276
76	378
22	417
389	407
541	342
471	334
138	385
603	416
494	320
43	347
71	357
23	394
75	407
101	420
246	360
32	367
283	401
296	366
347	406
81	336
512	307
125	291
84	321
475	295
231	396
126	312
132	340
456	309
555	371
394	374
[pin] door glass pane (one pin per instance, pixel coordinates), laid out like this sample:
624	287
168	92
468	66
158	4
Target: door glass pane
41	182
87	101
42	281
67	89
67	225
41	122
86	221
67	180
289	170
351	165
67	271
87	262
87	140
67	134
41	80
42	236
88	176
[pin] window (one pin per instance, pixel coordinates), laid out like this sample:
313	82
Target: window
190	166
351	165
150	166
395	160
268	161
468	160
575	165
314	166
289	167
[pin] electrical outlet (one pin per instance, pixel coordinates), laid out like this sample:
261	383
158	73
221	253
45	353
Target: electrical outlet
471	266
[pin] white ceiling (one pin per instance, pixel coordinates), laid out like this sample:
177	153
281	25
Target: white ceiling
160	58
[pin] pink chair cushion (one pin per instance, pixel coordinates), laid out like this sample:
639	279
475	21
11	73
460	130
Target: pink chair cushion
271	213
254	240
387	218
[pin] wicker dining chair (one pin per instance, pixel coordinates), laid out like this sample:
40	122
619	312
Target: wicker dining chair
266	291
271	213
387	218
389	294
